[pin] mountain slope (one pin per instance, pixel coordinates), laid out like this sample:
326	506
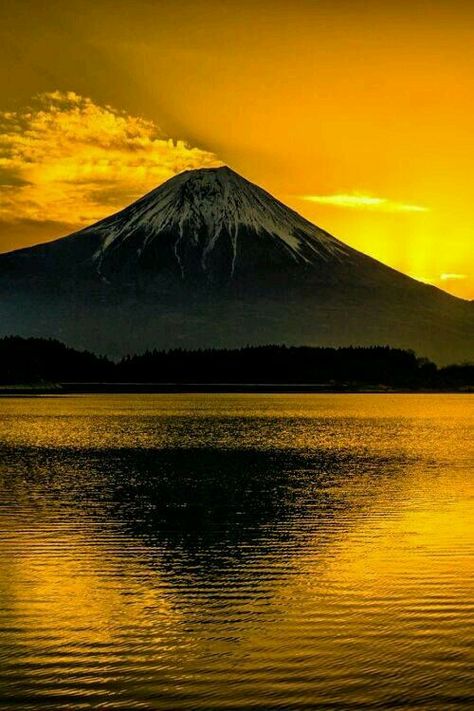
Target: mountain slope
209	259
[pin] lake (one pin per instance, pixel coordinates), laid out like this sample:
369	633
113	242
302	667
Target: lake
237	552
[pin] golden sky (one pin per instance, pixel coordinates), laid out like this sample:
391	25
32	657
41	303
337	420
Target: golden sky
357	114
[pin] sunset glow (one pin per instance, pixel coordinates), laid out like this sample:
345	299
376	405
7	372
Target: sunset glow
237	355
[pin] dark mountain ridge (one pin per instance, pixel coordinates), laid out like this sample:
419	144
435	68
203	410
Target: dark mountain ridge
210	260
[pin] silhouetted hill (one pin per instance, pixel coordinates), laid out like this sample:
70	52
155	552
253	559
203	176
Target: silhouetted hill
35	360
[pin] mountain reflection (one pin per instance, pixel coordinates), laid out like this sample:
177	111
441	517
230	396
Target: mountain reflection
205	510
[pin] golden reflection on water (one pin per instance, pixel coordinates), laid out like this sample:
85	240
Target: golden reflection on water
237	551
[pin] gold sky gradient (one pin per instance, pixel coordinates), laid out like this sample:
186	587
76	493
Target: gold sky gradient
357	114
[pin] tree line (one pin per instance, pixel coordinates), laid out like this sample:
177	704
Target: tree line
38	360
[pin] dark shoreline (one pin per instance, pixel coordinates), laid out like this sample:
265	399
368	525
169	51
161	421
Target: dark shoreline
209	388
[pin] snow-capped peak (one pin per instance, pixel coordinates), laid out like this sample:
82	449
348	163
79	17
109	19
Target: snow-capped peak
213	201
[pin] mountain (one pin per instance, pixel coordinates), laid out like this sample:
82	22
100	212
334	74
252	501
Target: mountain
209	259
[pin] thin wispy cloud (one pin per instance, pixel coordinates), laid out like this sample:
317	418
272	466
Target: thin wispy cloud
69	160
359	201
452	277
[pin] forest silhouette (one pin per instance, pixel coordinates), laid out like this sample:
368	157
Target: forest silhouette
35	360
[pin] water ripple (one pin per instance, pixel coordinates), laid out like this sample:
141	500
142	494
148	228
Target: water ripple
237	552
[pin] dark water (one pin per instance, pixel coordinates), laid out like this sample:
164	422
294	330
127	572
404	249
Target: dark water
237	552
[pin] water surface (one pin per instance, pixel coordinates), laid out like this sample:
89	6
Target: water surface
237	552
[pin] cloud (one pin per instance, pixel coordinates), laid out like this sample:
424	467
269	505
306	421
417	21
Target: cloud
69	160
363	202
452	277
